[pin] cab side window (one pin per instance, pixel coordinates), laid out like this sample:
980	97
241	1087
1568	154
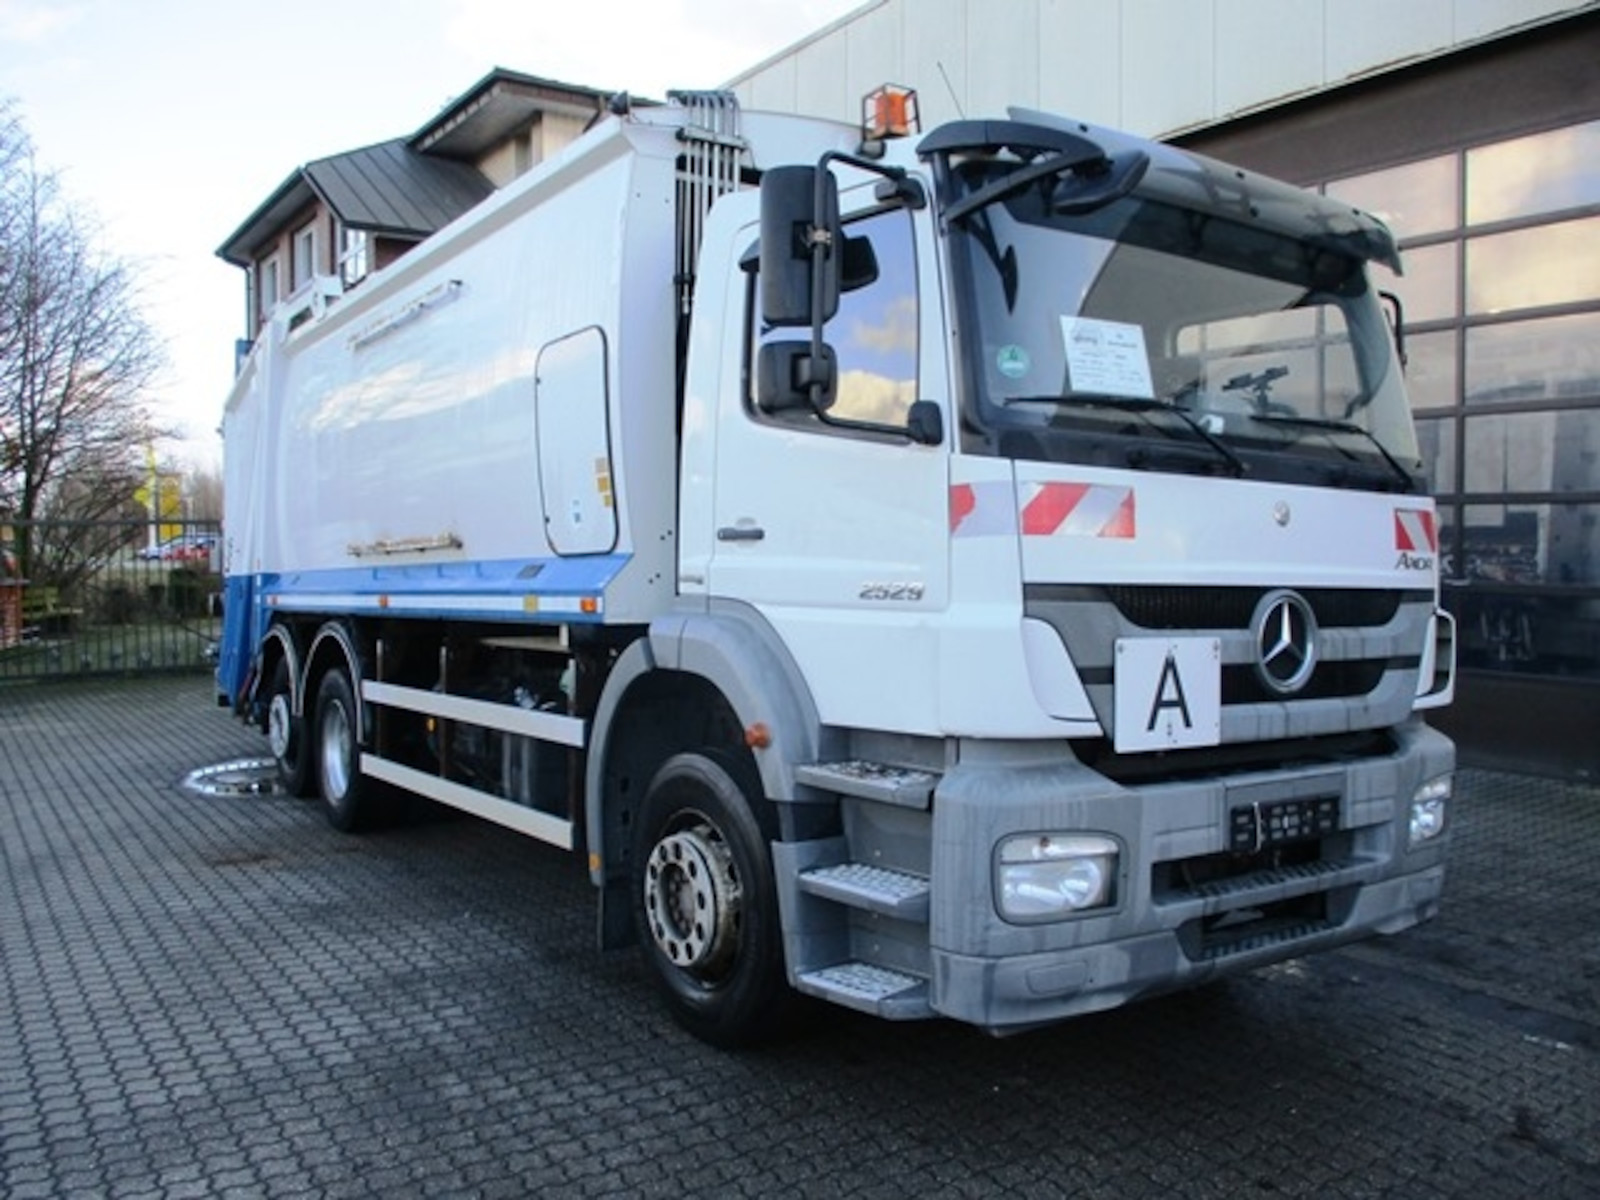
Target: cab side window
873	335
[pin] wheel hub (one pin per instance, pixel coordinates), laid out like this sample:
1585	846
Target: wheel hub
280	725
692	899
336	742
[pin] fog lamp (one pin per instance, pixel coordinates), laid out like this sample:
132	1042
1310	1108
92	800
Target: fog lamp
1044	875
1428	806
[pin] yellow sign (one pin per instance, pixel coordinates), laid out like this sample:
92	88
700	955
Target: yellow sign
162	498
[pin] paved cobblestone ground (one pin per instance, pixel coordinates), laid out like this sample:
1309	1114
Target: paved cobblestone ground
224	997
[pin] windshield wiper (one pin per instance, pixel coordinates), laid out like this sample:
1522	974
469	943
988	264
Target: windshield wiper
1143	407
1332	426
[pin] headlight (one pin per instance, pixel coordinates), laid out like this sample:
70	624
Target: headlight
1428	806
1044	875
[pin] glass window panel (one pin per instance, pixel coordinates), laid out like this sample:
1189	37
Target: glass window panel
1534	452
1449	520
1431	370
1535	635
1551	264
1436	442
1543	173
1500	627
1532	543
1428	288
1413	199
1534	360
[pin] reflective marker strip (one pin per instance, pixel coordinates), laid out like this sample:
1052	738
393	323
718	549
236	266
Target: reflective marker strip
1414	531
1079	510
987	509
1047	509
357	602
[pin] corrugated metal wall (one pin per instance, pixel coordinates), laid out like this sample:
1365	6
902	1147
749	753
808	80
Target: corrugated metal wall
1153	67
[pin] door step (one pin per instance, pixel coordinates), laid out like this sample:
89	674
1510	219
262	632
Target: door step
875	889
871	781
866	988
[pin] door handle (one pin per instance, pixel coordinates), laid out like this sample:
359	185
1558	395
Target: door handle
741	533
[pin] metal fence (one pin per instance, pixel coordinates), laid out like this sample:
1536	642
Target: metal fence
108	597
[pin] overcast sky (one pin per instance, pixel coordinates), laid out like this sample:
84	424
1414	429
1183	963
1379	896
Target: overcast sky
169	121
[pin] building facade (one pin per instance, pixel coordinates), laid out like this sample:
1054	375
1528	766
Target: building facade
337	219
1473	127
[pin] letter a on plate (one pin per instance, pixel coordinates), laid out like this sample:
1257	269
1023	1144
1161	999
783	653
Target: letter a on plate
1168	693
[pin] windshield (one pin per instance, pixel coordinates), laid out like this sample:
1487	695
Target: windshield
1147	335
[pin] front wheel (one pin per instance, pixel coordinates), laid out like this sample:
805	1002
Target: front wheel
706	906
345	793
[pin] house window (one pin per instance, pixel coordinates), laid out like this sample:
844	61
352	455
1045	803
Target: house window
354	256
267	293
304	264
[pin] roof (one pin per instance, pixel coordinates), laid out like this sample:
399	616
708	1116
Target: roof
388	188
412	187
496	106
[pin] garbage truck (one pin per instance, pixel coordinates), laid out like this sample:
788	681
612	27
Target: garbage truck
981	573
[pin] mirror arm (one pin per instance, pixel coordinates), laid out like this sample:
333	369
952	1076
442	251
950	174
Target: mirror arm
1399	331
819	239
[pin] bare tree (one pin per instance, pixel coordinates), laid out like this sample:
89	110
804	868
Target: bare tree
76	356
205	495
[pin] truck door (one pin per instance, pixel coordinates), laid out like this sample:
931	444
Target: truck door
839	536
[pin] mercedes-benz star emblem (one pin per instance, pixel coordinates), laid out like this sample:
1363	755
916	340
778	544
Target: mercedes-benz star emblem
1286	641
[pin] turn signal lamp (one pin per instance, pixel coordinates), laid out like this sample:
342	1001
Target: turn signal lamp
889	112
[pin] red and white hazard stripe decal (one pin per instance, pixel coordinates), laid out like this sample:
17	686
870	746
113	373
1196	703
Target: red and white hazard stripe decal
987	509
1045	510
1077	510
1414	531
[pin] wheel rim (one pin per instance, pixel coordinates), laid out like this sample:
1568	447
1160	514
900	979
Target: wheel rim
280	726
335	741
692	900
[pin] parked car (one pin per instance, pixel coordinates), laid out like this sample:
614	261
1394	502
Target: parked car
187	547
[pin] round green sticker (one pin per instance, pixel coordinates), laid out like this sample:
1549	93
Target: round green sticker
1012	362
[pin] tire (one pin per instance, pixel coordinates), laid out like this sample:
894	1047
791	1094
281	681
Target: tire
287	734
706	906
346	794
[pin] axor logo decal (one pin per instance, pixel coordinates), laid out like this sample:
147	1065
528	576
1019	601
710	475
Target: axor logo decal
1416	539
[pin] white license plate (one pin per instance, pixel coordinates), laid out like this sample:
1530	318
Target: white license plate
1168	693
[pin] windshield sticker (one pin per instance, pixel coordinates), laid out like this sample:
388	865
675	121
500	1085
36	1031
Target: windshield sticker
1107	358
1012	362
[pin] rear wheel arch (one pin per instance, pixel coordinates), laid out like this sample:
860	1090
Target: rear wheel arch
337	646
278	645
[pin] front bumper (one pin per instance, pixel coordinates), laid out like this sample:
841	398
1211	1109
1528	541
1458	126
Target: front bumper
1167	931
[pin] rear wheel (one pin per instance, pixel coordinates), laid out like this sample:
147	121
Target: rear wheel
346	794
706	905
286	734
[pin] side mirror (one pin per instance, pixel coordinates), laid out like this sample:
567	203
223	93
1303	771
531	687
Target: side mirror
795	237
925	423
785	373
859	264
